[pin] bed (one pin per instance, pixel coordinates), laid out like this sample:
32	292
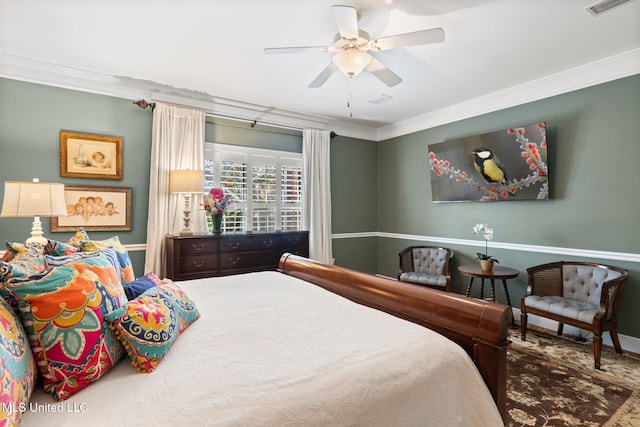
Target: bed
270	348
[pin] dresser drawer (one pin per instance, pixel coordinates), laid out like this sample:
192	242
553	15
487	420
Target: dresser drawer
193	257
293	240
249	260
198	263
248	243
196	246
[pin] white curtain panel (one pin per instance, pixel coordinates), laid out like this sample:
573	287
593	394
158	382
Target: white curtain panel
316	181
177	143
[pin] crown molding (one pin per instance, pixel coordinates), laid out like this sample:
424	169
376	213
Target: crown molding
615	67
33	71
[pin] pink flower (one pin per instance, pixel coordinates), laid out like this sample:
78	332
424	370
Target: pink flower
217	193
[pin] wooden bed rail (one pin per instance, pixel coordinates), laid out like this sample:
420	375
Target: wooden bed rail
480	327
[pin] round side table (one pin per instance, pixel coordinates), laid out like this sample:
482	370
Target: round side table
501	273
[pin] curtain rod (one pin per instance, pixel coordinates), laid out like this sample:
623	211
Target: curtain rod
144	104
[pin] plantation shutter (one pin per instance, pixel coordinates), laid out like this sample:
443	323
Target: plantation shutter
266	187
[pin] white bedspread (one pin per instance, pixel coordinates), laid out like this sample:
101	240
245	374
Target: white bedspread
271	350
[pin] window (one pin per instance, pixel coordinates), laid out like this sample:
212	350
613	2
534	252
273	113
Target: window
266	186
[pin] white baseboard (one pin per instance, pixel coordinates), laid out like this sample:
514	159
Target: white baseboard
628	343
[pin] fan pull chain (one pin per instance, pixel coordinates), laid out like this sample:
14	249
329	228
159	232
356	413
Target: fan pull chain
349	96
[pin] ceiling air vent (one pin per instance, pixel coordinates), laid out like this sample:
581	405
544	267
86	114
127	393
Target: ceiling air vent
605	6
380	99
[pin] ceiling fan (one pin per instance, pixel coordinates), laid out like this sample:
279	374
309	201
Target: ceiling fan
352	46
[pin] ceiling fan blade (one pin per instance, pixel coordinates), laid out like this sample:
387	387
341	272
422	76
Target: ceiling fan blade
298	49
434	35
383	73
346	18
323	76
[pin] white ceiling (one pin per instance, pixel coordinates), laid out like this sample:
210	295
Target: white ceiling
209	53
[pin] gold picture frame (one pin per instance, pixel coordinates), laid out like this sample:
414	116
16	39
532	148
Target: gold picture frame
90	156
95	208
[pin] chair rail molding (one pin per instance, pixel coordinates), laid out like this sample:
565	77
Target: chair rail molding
588	253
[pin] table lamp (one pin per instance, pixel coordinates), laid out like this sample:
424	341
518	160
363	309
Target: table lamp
186	181
36	199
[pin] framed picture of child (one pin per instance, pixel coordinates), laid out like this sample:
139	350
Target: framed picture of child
90	156
95	208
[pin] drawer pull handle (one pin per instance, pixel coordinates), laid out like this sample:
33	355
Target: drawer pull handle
197	264
293	240
234	245
197	247
234	261
267	243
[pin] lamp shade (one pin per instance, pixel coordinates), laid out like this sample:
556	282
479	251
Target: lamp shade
186	181
33	199
352	61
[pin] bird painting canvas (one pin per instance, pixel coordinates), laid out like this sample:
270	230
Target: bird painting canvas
506	165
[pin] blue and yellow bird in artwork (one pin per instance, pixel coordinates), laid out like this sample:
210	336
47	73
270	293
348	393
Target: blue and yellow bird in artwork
489	166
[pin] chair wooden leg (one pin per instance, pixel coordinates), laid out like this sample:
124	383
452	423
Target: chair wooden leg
560	328
615	340
597	350
523	325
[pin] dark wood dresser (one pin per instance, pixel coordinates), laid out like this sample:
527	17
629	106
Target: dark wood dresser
193	257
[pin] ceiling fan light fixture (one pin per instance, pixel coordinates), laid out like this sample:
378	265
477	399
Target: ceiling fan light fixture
351	62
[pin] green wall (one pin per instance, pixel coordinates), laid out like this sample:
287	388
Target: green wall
31	117
354	202
232	132
595	196
382	187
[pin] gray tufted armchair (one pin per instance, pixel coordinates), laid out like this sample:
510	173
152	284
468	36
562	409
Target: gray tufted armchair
427	266
582	294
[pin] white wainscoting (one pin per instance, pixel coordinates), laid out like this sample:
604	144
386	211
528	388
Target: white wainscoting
628	343
584	253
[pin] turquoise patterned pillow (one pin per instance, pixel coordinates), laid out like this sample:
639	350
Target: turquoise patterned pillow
146	327
172	292
24	264
109	253
126	268
13	249
17	367
63	310
56	248
150	324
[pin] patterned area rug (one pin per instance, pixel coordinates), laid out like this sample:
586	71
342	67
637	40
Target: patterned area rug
551	381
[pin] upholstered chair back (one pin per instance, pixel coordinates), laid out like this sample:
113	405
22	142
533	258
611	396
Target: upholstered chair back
584	282
430	260
427	266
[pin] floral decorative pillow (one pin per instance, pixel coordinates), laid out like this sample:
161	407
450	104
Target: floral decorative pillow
109	253
151	323
126	268
56	248
63	311
24	264
17	367
79	236
146	327
172	292
14	249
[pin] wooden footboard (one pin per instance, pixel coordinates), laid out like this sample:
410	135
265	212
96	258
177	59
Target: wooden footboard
480	327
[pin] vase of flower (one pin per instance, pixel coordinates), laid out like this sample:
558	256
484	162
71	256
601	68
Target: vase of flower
486	261
217	224
486	264
215	203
